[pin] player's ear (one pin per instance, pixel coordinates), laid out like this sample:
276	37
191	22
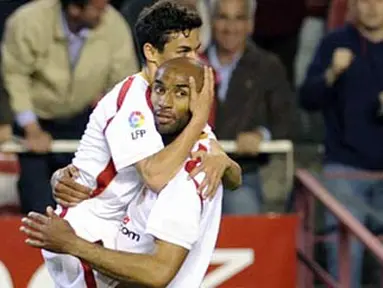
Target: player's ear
150	53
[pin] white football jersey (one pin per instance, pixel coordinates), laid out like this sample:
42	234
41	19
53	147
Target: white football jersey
177	215
121	131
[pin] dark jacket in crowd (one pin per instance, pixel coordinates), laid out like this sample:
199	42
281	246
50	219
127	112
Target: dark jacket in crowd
259	94
354	132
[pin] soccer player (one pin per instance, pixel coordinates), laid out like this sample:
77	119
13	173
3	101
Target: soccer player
164	31
121	145
174	231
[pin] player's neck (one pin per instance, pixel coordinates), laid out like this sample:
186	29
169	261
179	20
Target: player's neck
169	138
148	72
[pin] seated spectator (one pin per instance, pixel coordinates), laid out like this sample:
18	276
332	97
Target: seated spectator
59	57
344	83
253	97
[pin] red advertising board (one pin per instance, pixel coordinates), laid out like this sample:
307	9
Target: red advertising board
251	252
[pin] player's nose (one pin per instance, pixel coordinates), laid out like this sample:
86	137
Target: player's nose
165	100
193	55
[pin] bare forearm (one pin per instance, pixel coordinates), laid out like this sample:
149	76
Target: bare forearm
232	178
160	168
123	266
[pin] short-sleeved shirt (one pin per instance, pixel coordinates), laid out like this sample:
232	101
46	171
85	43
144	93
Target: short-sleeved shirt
177	215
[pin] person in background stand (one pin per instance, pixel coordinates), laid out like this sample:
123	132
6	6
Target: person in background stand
54	73
254	98
344	82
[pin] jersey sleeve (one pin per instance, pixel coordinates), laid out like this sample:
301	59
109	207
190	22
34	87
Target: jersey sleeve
176	215
131	134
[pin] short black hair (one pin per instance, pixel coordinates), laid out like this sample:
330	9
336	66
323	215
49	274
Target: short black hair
79	3
157	22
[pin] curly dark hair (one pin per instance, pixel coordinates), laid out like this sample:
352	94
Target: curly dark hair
156	23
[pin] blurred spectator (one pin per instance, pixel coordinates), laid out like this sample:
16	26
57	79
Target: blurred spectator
345	83
277	28
5	114
6	8
130	9
253	96
59	57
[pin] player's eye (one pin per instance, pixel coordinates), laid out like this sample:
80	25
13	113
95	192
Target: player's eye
159	89
182	93
184	52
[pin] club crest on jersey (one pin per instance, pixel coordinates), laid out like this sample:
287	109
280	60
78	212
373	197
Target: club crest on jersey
137	120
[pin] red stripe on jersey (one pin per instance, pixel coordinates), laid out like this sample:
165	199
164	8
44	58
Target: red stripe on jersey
90	280
191	164
109	172
120	99
107	124
148	95
104	178
123	91
64	210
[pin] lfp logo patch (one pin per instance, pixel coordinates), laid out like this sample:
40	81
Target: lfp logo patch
136	119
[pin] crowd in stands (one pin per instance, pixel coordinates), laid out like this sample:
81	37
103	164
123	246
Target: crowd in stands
306	70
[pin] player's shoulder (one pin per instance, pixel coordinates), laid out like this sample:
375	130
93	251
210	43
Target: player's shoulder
133	86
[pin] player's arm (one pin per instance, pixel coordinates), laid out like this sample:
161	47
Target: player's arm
153	270
54	233
172	157
232	177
